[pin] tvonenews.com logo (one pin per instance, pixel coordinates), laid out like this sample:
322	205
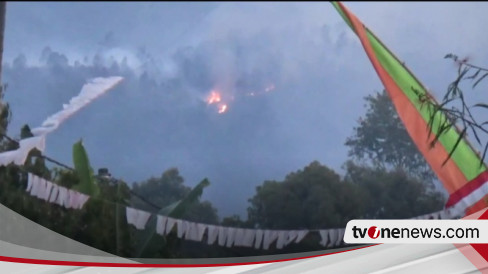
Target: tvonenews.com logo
373	232
417	231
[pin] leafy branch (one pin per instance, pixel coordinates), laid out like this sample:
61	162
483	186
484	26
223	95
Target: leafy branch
454	111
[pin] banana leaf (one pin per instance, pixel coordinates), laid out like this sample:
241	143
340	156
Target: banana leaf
87	184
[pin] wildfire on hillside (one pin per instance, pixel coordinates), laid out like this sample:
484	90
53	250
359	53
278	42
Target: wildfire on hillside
221	100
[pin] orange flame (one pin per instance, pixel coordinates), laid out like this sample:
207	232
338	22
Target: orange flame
222	108
214	97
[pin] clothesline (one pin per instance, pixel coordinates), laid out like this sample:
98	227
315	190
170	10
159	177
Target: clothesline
221	235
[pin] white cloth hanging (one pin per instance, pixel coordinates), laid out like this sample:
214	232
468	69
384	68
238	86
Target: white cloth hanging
161	224
239	236
222	238
137	217
46	192
195	231
259	238
63	197
324	236
282	238
300	235
82	200
29	182
35	186
269	237
181	227
340	236
295	236
291	236
54	193
201	228
332	237
248	238
231	233
77	199
191	231
212	233
170	223
41	187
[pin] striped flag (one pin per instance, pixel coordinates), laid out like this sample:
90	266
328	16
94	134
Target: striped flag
462	175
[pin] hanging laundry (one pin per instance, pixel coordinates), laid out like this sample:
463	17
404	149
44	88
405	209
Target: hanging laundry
340	236
63	197
181	227
282	238
46	192
324	236
194	231
226	236
231	233
41	187
161	224
29	182
137	217
212	233
249	236
259	238
333	233
77	199
269	237
300	235
34	185
290	236
239	236
244	237
170	223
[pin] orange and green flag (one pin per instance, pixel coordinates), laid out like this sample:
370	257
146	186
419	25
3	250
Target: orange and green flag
462	175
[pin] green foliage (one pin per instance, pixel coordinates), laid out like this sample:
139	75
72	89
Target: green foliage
235	221
381	139
391	194
5	113
166	191
25	132
314	197
181	207
84	171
